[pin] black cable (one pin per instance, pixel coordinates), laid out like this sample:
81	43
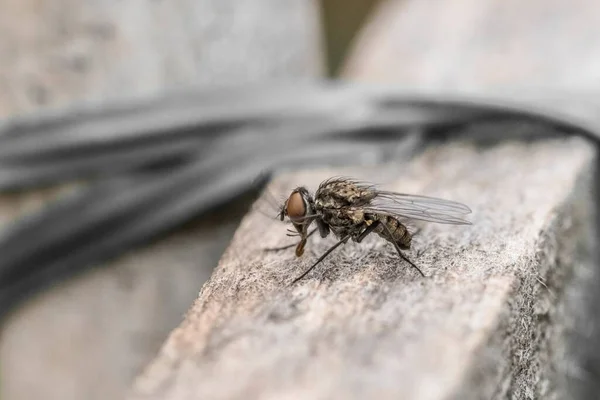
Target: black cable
155	165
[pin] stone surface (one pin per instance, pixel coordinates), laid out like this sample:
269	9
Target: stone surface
364	325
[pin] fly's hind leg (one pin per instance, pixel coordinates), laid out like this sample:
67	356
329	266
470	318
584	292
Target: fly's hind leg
367	231
400	251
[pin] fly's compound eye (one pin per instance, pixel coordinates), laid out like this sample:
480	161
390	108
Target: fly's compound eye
295	206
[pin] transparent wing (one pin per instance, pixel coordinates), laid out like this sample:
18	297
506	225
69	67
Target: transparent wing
416	207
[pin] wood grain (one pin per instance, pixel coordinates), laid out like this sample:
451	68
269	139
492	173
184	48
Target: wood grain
89	336
364	325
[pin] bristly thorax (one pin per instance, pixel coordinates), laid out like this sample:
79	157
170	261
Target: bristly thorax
339	203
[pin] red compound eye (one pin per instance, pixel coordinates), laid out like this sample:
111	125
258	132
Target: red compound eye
295	207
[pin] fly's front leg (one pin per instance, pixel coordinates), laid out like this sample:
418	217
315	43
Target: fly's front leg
323	228
299	246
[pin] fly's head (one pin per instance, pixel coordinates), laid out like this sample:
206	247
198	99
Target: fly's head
299	208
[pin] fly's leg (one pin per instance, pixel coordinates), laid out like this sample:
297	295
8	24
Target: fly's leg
332	248
368	230
289	246
300	247
400	252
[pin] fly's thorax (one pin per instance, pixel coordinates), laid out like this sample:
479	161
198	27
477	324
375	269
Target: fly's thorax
324	202
342	216
344	192
357	216
340	203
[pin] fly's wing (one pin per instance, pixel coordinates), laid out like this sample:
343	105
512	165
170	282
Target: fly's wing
423	208
404	207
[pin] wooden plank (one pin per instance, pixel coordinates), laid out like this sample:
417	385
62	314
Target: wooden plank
89	336
512	49
364	325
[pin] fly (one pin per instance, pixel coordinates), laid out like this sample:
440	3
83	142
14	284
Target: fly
353	210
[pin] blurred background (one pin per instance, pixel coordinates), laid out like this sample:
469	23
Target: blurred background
74	72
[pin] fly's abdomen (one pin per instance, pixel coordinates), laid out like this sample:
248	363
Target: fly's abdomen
399	233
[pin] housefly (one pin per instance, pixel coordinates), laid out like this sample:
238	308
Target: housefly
353	210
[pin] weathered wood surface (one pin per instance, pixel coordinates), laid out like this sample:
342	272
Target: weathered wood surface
364	325
484	46
88	337
473	45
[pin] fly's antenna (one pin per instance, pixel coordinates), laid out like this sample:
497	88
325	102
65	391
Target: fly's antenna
275	207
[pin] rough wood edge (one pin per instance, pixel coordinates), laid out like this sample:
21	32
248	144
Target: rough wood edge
475	329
